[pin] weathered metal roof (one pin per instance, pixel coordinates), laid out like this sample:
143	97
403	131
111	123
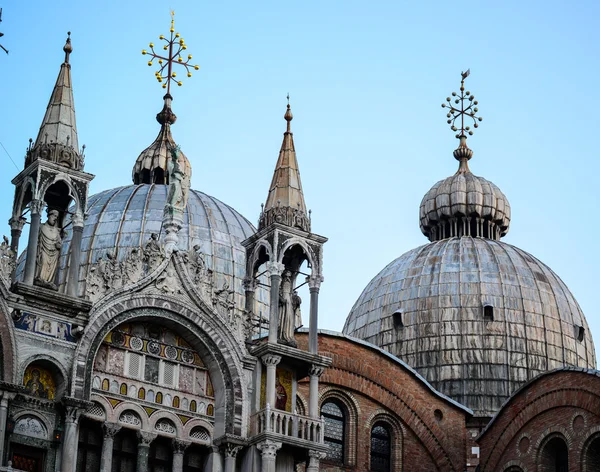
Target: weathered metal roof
427	308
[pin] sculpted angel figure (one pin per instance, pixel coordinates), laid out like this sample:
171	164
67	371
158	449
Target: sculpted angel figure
48	251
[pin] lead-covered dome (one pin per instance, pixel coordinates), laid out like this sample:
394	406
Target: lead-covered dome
476	317
464	204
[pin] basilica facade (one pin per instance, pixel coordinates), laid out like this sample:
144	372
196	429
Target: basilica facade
152	327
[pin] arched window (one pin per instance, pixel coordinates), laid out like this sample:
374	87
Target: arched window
555	456
592	455
335	430
381	448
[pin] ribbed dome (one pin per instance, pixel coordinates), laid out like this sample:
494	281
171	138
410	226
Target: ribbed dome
125	217
427	307
464	204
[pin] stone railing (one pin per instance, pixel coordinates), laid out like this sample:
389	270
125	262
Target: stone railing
290	425
9	468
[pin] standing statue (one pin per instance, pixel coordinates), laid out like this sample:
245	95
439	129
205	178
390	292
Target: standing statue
179	181
296	302
48	251
286	325
153	253
7	259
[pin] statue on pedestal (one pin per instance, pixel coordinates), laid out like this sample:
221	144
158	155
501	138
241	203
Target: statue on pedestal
286	326
48	251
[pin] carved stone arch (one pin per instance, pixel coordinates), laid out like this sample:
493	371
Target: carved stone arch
108	409
255	256
352	411
60	373
37	415
397	440
197	422
161	415
215	344
312	258
73	194
137	409
18	207
8	365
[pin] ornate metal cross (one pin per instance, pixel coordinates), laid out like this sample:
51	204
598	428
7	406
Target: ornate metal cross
174	45
466	105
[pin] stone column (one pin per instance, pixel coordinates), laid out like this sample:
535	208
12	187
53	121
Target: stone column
179	448
314	284
216	461
276	269
268	450
271	361
6	397
16	228
144	450
313	392
75	259
249	289
71	437
110	431
34	233
314	458
231	452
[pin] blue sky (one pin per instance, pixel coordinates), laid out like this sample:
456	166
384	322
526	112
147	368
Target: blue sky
366	81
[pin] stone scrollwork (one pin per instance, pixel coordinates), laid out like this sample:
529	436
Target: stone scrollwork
165	426
179	446
129	417
110	430
199	273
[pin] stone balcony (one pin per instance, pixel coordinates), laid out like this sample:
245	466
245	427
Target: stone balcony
288	428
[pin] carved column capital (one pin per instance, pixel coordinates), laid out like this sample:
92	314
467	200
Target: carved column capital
315	281
316	370
269	448
144	438
36	206
316	454
250	284
17	223
110	430
179	446
72	414
231	450
275	268
271	359
77	220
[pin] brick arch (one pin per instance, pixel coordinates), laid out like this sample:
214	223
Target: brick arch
547	400
206	334
554	432
431	441
352	408
7	343
593	435
397	440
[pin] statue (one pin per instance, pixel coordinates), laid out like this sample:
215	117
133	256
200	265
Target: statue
296	302
179	181
286	326
7	259
223	301
48	251
132	269
153	253
167	282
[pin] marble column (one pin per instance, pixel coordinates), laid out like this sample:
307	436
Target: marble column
16	228
71	438
276	269
110	431
216	460
313	391
314	284
75	258
179	448
231	452
314	459
144	450
6	397
32	245
268	451
271	361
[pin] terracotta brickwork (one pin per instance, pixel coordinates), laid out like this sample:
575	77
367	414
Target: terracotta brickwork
428	430
556	411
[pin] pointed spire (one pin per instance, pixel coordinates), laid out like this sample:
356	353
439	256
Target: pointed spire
285	201
59	128
151	165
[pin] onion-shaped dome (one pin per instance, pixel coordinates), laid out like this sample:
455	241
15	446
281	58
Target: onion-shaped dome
464	204
476	317
124	218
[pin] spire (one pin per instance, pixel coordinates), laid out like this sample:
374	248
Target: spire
285	201
57	139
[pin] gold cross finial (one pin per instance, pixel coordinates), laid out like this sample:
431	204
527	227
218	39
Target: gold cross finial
466	105
174	45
